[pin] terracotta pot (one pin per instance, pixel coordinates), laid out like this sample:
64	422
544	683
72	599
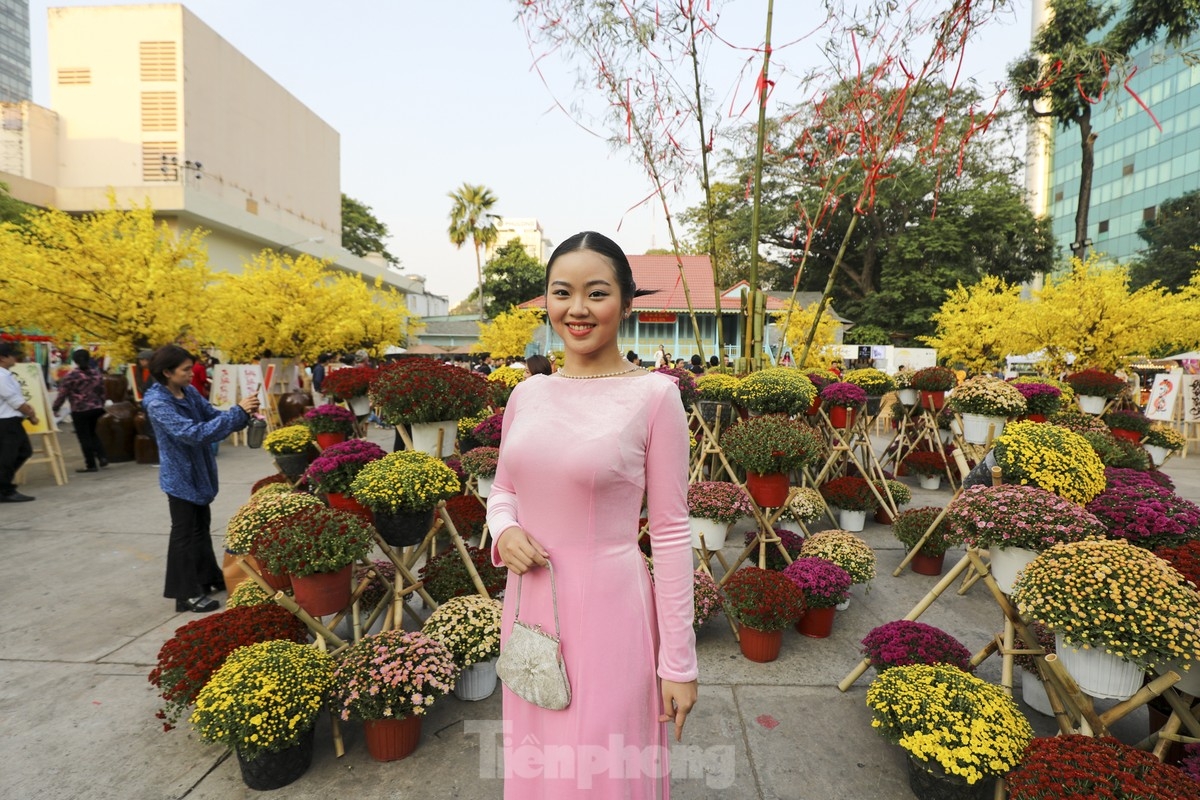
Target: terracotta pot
933	400
323	592
278	582
814	406
760	646
927	565
347	503
769	490
817	622
841	417
1034	418
328	440
1129	436
392	739
233	573
883	516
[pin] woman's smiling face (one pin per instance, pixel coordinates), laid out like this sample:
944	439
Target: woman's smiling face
583	301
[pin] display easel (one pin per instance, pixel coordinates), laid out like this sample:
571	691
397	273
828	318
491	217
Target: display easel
708	461
43	437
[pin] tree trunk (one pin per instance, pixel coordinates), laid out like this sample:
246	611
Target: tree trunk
479	277
1087	165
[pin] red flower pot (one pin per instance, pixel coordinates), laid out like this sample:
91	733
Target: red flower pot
814	406
328	440
392	739
1129	436
841	417
760	646
927	565
279	583
1034	418
770	490
323	592
883	516
347	503
933	400
816	622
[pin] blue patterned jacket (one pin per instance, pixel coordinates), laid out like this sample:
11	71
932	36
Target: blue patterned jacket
186	429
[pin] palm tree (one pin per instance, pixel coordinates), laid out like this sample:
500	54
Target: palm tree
469	219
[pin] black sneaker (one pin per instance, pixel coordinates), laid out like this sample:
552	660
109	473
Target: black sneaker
201	605
88	469
15	497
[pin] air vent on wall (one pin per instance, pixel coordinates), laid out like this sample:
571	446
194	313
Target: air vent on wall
75	76
159	111
157	61
159	161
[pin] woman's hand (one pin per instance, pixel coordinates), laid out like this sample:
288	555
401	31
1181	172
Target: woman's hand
519	551
249	404
678	700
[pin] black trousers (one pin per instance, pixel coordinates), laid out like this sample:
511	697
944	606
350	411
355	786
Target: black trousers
191	564
85	431
15	450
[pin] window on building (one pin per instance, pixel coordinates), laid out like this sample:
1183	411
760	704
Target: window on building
1148	214
1127	169
1058	196
1103	226
156	61
160	111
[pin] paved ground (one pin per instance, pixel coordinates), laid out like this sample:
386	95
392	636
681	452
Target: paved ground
84	623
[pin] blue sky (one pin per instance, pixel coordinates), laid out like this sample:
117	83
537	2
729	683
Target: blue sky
427	95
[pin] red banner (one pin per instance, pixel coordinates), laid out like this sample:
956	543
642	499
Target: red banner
657	317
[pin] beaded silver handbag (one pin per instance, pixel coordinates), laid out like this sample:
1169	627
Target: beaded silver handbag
531	662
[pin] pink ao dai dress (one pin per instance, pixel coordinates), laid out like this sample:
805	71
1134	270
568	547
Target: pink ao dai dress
576	457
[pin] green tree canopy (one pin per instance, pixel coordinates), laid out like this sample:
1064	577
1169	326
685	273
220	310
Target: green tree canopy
362	231
12	209
510	277
470	219
1172	238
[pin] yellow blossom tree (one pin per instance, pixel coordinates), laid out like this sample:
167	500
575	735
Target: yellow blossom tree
509	333
975	325
1090	313
301	307
113	277
801	321
1185	325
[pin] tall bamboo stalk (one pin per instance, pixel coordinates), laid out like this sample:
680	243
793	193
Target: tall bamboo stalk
752	347
705	183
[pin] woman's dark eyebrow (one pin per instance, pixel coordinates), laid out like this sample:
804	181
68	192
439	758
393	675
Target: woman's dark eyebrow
598	281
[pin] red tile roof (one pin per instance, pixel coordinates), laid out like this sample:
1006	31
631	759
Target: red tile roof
661	273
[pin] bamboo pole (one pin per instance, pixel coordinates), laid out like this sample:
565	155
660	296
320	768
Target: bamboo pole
1071	694
1163	743
1182	710
1155	688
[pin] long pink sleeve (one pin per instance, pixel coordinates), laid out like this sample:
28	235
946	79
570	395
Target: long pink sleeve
670	538
502	500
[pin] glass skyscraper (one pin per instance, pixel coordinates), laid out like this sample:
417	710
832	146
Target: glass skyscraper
1138	167
16	82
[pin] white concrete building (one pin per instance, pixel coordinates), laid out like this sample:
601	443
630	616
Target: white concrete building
150	104
528	230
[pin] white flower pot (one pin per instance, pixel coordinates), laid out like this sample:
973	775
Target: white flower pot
853	521
842	606
424	437
907	397
1092	403
1157	454
946	436
975	427
483	485
932	482
1098	672
477	682
361	405
714	532
1007	562
1033	692
1189	679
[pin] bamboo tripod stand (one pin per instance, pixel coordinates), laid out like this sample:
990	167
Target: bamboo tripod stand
918	427
851	446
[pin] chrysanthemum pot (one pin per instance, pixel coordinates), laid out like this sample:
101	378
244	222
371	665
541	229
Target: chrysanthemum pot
841	417
1033	692
934	401
476	682
323	592
923	564
908	397
1092	403
817	623
1098	672
1127	435
328	440
931	782
1157	454
275	770
930	482
1007	562
850	520
292	464
769	490
346	502
976	426
483	484
361	405
404	528
714	532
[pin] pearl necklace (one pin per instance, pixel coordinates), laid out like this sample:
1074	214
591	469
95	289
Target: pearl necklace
591	377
